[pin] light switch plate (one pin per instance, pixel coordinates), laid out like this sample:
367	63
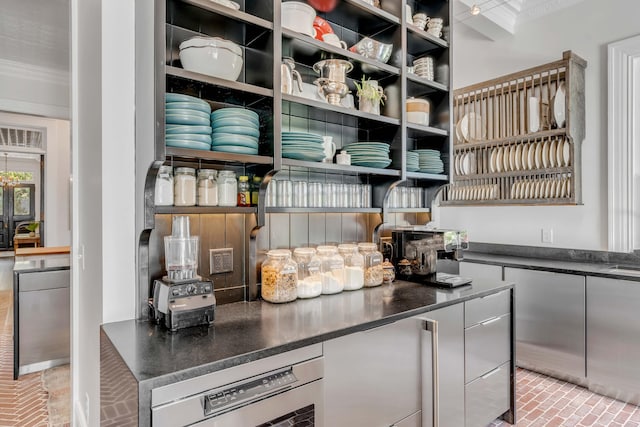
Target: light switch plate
220	260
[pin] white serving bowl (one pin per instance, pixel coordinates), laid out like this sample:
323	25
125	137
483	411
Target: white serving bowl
212	56
298	17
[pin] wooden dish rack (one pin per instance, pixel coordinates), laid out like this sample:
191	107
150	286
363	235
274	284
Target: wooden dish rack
508	148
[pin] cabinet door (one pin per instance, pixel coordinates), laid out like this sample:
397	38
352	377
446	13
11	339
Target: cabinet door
372	378
550	320
481	271
613	328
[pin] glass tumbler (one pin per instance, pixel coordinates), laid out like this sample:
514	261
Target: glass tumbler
300	194
284	194
315	195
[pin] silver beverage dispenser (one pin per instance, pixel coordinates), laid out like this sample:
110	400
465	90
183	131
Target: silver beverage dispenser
181	298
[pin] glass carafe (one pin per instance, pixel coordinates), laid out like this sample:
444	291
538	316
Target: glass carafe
331	269
373	274
353	267
309	281
279	277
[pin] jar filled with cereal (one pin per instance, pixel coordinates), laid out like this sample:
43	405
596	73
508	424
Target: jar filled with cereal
353	267
309	282
373	272
331	269
279	277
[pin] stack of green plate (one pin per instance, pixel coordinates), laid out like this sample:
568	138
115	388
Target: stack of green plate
413	161
235	130
430	161
302	146
187	122
369	154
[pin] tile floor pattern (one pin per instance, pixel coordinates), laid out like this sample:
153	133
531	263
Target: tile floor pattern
543	401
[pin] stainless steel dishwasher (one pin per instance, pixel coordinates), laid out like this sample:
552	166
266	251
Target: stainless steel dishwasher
41	324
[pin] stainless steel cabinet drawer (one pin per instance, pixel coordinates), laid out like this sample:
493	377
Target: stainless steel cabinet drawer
481	309
487	397
486	346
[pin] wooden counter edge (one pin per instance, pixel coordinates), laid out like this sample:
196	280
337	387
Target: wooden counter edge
43	251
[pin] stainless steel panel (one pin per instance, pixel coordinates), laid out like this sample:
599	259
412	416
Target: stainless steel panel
235	238
349	228
550	320
333	228
485	308
43	280
212	236
451	363
481	271
487	346
299	230
279	231
487	397
373	377
362	228
613	328
413	420
317	231
43	325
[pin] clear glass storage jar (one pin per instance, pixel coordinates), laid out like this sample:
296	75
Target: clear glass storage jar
373	273
184	187
279	277
331	269
207	187
309	282
163	194
227	188
353	267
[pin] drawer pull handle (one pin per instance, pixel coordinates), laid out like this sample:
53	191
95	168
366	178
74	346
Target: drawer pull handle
488	374
490	321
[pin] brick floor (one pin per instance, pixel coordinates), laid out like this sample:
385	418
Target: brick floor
543	401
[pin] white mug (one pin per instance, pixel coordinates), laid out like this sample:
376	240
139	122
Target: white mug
329	149
334	40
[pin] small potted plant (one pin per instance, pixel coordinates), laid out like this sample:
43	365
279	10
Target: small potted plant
370	96
32	228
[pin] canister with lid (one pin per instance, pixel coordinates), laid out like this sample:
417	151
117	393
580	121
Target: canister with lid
309	281
279	277
373	273
353	267
331	269
184	188
163	193
244	191
207	187
227	188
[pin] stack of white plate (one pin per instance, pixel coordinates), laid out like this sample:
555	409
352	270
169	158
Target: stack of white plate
369	154
188	124
235	130
413	161
429	161
302	146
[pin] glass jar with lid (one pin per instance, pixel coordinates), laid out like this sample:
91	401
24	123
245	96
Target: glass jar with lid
279	277
331	269
353	267
184	188
244	191
373	274
227	188
163	194
309	281
207	187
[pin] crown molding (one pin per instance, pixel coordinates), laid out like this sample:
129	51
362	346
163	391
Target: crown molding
21	70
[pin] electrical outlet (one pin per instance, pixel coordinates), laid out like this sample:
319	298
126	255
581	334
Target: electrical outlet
220	260
547	235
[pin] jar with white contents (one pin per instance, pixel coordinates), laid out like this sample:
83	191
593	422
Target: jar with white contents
373	272
227	188
353	267
163	194
331	269
207	187
184	187
309	281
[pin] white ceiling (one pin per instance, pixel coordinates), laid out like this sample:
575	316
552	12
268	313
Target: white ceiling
501	18
35	32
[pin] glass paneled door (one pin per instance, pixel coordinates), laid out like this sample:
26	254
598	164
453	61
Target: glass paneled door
18	205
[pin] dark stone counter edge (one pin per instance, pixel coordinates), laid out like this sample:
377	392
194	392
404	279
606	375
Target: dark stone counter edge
40	269
146	384
596	270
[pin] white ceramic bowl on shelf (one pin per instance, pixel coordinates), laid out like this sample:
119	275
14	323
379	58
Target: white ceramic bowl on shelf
298	17
212	56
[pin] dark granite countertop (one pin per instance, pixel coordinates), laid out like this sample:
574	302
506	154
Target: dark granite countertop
590	268
248	331
42	263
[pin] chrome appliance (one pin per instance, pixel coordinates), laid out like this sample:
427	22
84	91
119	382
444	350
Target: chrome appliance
182	299
432	254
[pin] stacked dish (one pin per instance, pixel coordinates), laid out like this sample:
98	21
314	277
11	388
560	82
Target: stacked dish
369	154
302	146
413	161
235	130
429	161
188	124
212	56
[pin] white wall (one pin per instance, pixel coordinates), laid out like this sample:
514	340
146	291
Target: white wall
586	29
57	172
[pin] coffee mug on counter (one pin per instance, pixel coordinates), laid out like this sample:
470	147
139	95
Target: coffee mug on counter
334	40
